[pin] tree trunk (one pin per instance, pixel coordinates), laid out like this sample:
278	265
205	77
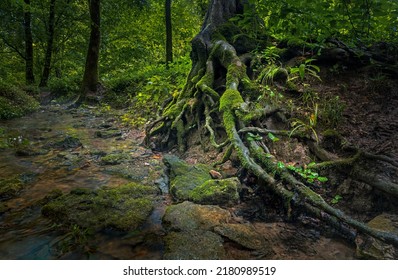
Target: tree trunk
30	78
90	77
169	34
218	93
50	42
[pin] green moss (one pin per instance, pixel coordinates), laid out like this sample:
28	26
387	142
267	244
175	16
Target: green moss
230	100
113	159
218	192
184	177
10	188
123	208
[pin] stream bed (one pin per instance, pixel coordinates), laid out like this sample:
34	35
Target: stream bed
55	151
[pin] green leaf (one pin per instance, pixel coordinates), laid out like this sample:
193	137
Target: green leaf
322	179
280	165
272	137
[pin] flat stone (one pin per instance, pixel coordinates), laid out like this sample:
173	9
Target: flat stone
188	216
371	248
194	245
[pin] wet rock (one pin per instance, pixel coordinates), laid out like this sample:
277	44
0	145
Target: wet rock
3	208
217	192
194	245
10	188
372	248
123	208
129	171
184	177
114	158
188	216
108	133
69	142
30	151
246	236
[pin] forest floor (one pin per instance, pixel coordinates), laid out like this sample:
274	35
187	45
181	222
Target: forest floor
89	147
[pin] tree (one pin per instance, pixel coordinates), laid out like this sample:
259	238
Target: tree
50	43
90	77
169	36
30	78
219	91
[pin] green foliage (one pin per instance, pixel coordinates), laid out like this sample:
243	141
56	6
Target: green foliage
336	199
67	86
356	21
253	137
331	111
306	126
14	102
309	175
303	69
147	89
272	137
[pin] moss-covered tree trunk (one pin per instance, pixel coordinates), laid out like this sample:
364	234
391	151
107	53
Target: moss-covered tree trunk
213	105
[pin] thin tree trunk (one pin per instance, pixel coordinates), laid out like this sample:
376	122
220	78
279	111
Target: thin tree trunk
90	77
169	35
50	43
30	78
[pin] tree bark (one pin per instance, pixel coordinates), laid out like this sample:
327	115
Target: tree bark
91	76
169	33
30	78
50	42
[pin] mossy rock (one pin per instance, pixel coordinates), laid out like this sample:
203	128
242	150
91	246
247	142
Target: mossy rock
114	159
217	192
194	245
69	142
184	177
188	216
246	236
10	188
123	208
108	133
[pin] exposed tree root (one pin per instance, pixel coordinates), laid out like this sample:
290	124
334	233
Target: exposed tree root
354	169
216	62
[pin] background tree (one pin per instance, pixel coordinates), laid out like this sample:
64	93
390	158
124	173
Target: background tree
90	77
169	34
50	43
30	78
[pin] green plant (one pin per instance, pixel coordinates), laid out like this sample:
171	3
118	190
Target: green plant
336	199
303	69
253	137
308	126
332	110
308	174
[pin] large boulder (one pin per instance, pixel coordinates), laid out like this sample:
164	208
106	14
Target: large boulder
184	177
217	192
